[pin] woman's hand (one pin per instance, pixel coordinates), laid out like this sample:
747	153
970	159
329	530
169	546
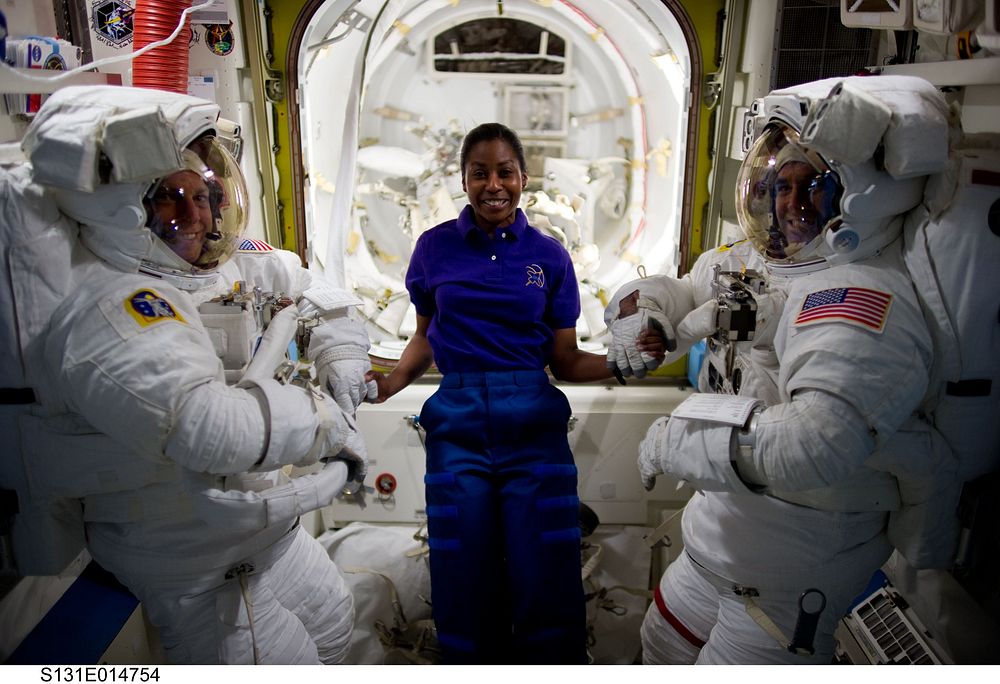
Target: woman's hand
382	383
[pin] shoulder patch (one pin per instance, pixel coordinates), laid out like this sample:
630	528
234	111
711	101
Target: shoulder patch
148	307
139	311
251	245
857	306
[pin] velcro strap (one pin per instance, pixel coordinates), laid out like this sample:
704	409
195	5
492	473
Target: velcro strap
342	352
762	620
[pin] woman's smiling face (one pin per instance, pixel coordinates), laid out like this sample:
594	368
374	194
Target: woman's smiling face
493	179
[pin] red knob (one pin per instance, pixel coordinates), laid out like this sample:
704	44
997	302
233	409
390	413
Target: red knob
385	483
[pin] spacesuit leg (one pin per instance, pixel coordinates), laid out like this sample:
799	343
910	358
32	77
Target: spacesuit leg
681	617
306	582
541	509
737	638
291	606
183	606
299	609
255	628
468	586
302	612
693	611
183	612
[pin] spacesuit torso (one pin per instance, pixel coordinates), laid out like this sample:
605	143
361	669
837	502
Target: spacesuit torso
812	496
810	492
754	360
134	495
136	433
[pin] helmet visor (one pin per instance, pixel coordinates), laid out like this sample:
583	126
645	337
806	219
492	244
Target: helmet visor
786	196
199	212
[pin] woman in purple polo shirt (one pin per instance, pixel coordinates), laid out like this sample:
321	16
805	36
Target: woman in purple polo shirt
497	302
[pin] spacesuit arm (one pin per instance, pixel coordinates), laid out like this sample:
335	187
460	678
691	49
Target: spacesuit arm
809	443
156	386
338	344
673	297
813	441
228	430
846	387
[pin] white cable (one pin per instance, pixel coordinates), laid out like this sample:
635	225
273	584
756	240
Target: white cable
592	562
245	591
118	58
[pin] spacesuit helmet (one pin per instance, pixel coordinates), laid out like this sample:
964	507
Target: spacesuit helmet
198	213
788	196
831	167
99	150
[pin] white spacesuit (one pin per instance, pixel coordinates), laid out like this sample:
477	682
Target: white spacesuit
185	481
798	506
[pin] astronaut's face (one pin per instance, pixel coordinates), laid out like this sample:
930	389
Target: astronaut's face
183	213
493	179
795	203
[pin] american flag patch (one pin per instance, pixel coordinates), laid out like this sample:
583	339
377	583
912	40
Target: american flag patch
854	305
251	245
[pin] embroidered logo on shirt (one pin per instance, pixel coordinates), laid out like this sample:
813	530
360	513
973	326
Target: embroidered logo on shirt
535	276
147	307
251	245
854	305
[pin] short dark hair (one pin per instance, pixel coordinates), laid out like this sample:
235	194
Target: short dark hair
492	131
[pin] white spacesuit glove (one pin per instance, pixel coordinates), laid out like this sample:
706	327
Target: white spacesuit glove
637	306
623	353
341	371
341	367
355	455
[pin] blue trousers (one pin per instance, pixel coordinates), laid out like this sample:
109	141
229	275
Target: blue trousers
503	514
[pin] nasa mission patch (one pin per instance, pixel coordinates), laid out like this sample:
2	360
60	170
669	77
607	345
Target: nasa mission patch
112	22
147	307
139	311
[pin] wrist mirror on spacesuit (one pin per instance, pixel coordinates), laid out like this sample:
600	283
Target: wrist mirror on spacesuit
200	211
786	196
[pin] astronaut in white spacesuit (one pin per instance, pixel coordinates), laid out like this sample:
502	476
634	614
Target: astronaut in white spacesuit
184	477
798	506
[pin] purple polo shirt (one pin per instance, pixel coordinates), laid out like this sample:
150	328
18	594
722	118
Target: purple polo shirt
493	304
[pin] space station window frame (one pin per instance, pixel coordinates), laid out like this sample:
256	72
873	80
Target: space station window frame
554	134
566	77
